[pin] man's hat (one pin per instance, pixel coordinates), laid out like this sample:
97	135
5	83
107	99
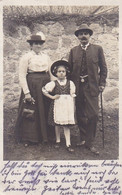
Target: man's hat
84	27
38	37
59	63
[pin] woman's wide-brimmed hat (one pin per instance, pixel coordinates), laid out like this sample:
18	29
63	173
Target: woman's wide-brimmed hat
60	63
38	37
84	27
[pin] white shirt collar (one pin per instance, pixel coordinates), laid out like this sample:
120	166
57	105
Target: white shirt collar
85	46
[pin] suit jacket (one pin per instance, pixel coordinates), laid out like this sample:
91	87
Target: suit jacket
96	67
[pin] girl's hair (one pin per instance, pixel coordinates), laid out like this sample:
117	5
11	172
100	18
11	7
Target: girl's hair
66	68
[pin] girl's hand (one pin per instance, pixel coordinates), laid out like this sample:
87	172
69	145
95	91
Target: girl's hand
56	97
73	95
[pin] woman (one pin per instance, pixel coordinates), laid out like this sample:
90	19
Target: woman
31	125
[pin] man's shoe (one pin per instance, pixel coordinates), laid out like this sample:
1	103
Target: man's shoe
80	143
93	150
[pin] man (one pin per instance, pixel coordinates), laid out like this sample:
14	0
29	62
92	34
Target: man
89	72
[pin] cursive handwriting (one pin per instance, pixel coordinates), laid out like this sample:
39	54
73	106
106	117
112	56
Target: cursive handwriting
62	178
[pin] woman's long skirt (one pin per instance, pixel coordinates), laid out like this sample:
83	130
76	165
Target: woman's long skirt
34	129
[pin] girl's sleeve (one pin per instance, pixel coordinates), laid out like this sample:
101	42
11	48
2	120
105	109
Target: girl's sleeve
48	87
72	89
23	67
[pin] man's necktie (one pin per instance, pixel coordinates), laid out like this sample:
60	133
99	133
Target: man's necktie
83	64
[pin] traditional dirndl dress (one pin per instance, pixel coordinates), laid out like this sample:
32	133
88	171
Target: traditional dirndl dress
34	128
62	110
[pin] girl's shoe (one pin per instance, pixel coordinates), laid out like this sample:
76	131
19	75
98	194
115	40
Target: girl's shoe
57	145
70	149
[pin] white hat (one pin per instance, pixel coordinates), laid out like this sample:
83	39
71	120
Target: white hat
42	35
38	37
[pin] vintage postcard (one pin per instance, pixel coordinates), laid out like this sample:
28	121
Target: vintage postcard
60	89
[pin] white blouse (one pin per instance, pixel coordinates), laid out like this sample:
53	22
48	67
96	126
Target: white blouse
34	63
51	85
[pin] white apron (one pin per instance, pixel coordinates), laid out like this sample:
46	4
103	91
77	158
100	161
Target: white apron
64	110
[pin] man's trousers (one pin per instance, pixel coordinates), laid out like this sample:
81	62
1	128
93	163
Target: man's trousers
87	114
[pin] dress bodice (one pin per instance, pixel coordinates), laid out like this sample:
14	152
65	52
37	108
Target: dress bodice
62	89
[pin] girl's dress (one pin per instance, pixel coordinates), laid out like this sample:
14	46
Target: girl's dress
33	75
62	110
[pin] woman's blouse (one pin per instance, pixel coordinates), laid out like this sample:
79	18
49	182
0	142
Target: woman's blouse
32	62
51	85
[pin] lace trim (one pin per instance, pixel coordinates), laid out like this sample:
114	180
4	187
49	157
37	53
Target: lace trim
65	122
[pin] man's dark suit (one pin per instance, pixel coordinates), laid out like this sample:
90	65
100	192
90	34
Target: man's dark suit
87	92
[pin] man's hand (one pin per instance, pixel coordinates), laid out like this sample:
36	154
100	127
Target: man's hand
101	88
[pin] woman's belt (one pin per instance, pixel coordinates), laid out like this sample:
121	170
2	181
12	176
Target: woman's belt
37	72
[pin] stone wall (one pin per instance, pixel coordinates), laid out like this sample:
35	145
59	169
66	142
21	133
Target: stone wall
60	39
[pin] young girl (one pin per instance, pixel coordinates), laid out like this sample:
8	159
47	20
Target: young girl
62	93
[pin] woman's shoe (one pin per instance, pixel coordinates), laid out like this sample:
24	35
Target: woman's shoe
70	149
26	144
44	142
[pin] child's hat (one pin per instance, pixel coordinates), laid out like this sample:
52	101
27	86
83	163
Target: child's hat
59	63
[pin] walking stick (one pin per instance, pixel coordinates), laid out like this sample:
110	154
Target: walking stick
102	118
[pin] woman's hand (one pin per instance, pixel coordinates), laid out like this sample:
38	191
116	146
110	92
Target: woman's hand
55	97
29	98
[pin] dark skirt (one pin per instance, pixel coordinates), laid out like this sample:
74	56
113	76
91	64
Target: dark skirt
34	129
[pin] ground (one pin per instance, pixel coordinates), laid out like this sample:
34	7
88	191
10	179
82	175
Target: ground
14	151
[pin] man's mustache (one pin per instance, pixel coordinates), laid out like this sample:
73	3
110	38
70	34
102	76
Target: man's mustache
84	38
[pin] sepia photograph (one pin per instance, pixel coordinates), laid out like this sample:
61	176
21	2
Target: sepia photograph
60	82
60	97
